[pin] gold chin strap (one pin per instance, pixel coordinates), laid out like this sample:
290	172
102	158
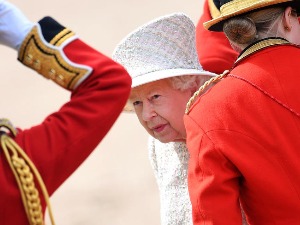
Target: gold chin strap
25	174
202	88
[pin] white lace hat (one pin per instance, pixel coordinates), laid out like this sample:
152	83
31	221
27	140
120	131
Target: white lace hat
162	48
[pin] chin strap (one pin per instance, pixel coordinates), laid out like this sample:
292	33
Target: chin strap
25	174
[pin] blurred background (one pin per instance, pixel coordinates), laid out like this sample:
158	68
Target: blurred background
115	185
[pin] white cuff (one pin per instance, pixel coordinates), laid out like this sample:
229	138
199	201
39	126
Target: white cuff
14	25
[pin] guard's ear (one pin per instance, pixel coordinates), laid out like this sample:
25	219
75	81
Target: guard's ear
287	22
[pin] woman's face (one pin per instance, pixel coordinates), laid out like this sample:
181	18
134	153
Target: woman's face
160	109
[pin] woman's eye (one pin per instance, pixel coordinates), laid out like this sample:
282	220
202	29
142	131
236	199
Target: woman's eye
136	103
155	97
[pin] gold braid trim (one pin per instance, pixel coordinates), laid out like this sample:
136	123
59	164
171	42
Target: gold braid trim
25	172
49	59
237	7
61	37
260	45
201	89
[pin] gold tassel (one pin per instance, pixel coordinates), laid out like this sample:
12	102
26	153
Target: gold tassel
25	172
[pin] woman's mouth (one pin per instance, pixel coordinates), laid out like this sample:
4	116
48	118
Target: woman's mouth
159	128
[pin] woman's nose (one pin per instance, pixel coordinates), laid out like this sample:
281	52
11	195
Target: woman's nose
148	112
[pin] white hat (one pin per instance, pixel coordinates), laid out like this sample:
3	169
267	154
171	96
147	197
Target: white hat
162	48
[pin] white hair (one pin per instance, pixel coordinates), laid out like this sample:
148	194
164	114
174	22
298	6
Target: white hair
186	82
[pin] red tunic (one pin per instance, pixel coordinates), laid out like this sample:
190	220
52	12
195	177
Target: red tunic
65	138
245	144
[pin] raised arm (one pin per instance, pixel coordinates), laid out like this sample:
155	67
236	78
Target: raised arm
99	90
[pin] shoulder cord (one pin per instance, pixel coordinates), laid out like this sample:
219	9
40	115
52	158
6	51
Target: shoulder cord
25	172
204	86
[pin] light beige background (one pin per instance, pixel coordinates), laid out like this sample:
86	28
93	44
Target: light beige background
115	185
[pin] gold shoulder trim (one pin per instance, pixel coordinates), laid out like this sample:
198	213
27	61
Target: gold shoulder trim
260	45
49	59
202	88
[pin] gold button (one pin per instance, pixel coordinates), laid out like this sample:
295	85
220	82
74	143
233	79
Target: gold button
52	74
60	79
29	58
37	64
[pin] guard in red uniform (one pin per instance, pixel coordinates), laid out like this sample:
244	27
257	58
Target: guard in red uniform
214	50
34	162
243	134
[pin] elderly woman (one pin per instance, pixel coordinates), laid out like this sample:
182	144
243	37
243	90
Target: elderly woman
243	134
162	60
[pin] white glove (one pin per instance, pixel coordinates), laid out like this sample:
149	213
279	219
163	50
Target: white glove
14	26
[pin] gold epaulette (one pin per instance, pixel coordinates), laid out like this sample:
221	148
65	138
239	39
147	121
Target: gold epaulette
49	60
202	88
25	174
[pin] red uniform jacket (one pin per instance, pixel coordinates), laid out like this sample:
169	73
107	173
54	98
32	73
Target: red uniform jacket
244	142
65	138
214	51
